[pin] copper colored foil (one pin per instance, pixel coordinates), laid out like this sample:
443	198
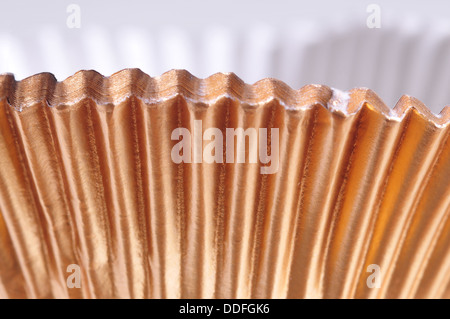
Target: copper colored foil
86	178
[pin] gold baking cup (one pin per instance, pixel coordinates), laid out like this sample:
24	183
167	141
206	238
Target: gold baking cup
358	206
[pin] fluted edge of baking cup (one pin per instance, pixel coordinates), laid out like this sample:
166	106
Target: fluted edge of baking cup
133	82
357	208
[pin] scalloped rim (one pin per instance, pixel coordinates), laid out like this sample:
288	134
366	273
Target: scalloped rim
89	84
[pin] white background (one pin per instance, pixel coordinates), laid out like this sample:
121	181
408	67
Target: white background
298	42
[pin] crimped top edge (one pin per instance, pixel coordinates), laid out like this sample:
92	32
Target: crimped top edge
133	82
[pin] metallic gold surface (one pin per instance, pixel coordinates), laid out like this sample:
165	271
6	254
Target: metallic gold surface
86	178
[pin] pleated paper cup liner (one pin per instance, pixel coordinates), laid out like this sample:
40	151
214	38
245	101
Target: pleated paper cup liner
133	186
